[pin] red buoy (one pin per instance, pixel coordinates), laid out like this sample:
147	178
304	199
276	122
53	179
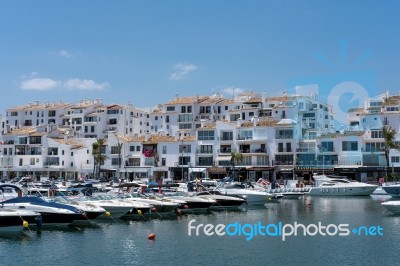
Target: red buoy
153	209
151	236
186	207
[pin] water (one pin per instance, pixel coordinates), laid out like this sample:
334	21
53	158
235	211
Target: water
126	243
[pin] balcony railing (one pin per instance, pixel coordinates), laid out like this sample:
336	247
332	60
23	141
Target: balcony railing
200	151
253	151
285	150
226	151
321	149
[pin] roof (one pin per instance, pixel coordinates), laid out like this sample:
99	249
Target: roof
263	123
345	134
287	121
22	131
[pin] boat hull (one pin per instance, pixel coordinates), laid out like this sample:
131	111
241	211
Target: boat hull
342	191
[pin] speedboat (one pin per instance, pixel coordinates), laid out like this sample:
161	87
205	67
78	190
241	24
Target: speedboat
89	211
158	204
191	203
118	209
52	213
392	190
392	206
340	186
15	220
222	201
252	196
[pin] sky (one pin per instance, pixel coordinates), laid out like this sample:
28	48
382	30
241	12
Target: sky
144	52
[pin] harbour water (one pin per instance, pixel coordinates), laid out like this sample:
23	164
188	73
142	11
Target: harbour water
126	243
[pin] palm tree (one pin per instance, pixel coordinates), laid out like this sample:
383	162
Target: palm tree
98	157
389	143
236	157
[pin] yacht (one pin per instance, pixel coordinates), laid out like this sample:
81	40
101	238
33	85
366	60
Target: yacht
191	203
252	196
222	201
14	220
392	190
339	186
392	206
52	213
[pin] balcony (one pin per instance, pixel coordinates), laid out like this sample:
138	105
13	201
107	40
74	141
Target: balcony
284	150
149	161
201	151
226	151
253	151
311	149
323	150
52	161
372	149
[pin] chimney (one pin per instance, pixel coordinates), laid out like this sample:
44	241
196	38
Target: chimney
202	121
176	96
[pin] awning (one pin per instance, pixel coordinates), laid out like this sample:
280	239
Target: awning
224	158
197	170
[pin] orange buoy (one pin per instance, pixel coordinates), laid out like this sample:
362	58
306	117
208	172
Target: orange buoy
151	236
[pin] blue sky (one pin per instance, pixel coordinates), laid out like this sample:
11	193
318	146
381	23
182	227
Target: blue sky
144	52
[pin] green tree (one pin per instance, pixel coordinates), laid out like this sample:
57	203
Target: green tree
389	143
236	157
98	157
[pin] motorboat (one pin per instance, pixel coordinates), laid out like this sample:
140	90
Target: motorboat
117	208
251	195
392	190
15	220
159	205
339	186
393	206
52	213
89	211
222	201
191	203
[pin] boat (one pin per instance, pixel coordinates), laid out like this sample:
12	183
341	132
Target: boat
52	213
117	208
191	204
158	204
252	196
12	220
392	190
392	206
340	186
89	211
222	201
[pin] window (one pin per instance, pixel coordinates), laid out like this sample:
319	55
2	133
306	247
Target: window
185	118
163	162
376	134
185	148
131	148
326	146
206	149
227	136
205	135
164	149
395	159
374	147
32	161
72	164
185	126
137	148
349	146
114	150
185	160
52	113
183	109
72	153
167	119
170	108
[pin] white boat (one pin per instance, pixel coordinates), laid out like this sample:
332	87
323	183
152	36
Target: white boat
52	213
392	206
222	201
118	209
158	204
12	220
252	196
192	203
340	186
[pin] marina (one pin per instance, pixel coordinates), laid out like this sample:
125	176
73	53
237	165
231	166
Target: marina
126	241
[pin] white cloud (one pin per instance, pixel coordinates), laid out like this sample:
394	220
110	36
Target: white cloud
65	54
31	82
232	91
85	84
181	70
39	84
